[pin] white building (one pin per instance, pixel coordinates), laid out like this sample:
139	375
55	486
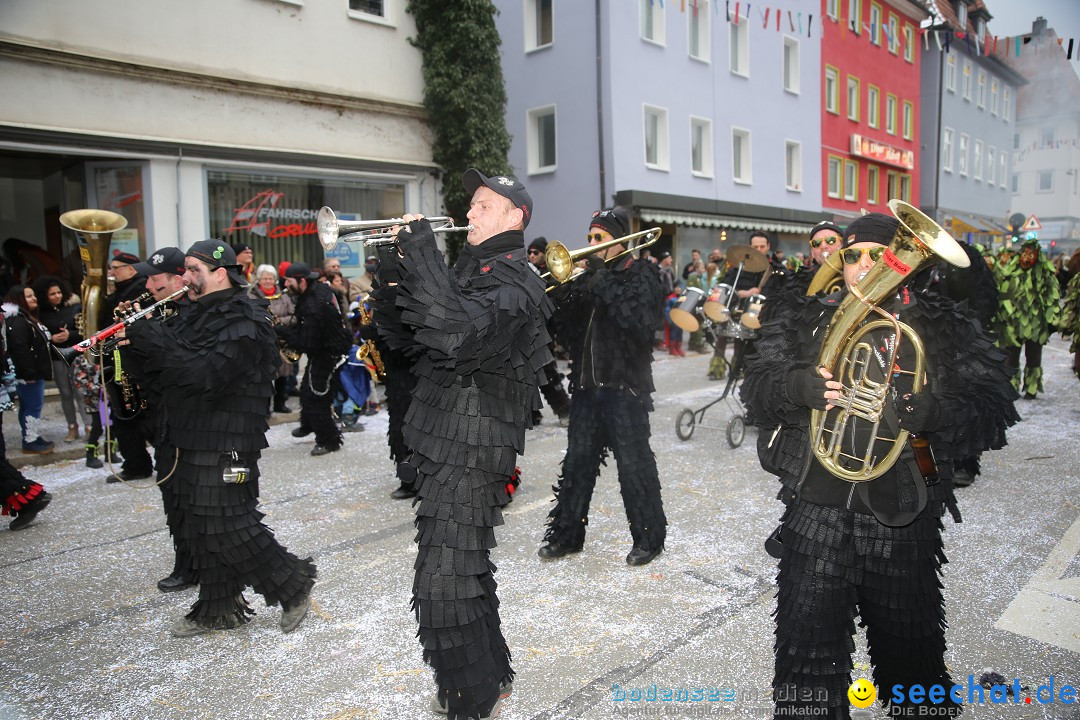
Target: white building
214	118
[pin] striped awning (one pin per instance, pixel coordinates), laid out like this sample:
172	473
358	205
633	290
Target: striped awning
670	217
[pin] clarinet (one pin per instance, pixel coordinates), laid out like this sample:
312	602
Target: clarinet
95	340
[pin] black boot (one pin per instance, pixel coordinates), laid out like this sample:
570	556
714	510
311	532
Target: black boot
92	460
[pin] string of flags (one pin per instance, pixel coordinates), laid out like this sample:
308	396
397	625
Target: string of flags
738	12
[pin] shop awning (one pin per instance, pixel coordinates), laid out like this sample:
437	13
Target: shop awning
962	223
649	215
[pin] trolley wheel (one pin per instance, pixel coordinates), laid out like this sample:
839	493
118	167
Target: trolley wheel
736	431
684	424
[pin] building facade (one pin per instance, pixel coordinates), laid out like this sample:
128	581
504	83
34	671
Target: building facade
225	118
969	102
1045	181
870	78
674	111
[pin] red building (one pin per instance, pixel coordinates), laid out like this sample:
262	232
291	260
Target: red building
870	104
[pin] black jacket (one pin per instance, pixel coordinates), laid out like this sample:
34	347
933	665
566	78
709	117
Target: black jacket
213	369
606	321
28	347
967	377
319	331
56	317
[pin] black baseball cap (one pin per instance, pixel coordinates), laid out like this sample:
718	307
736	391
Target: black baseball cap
505	185
164	260
301	271
217	254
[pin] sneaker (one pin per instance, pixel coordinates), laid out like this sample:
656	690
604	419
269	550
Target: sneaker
40	446
27	514
357	427
302	431
292	617
185	628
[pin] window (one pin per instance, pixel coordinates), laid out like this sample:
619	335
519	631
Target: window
791	65
851	180
909	43
946	150
977	161
982	90
890	113
652	21
740	48
962	164
701	152
854	16
1005	104
369	10
540	140
961	13
873	107
834	176
908	122
873	183
950	73
994	97
905	187
832	9
1045	182
967	80
1016	141
832	92
697	28
1002	173
853	98
980	28
656	138
894	34
990	167
875	23
1046	138
793	165
740	153
1016	183
538	24
892	186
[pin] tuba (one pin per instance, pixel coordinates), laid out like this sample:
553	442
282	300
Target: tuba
829	277
94	229
848	349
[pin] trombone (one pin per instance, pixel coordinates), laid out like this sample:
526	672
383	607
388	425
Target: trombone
560	261
370	232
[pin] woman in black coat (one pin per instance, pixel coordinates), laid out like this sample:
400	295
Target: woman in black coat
29	349
57	313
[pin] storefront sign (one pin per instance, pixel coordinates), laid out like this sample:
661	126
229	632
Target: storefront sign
882	152
261	216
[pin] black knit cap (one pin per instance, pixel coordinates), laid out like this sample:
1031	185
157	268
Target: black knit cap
872	227
611	220
539	243
218	254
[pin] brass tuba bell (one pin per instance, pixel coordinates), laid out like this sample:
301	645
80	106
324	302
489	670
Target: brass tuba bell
94	229
846	351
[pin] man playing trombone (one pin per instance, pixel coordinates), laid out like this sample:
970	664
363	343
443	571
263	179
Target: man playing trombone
606	319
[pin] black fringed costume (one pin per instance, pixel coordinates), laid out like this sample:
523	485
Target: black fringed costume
837	558
606	322
480	343
214	369
319	333
130	426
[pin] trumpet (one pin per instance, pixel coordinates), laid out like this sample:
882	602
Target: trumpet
103	335
370	232
560	261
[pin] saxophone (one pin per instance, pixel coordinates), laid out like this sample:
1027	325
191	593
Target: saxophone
368	349
130	401
847	348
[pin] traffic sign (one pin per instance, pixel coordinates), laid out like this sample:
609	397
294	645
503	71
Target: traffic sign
1032	224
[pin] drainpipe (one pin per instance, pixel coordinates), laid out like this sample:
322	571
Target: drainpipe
600	110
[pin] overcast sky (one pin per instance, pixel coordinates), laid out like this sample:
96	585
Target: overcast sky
1014	17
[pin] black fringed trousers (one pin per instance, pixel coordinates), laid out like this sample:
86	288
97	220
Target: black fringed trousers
837	564
316	398
603	418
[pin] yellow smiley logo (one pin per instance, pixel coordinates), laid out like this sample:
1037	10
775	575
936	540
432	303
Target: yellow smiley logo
862	693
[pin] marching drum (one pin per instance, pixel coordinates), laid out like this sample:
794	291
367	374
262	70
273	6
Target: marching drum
716	307
737	331
686	314
751	316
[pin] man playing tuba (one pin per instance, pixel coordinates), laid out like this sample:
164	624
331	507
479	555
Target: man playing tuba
870	548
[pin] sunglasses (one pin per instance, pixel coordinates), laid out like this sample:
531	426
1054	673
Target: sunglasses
854	255
594	236
831	240
535	252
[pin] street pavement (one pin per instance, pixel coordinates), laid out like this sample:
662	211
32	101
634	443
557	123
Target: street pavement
86	631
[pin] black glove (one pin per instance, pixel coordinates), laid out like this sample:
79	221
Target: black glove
417	231
918	412
389	270
595	262
806	388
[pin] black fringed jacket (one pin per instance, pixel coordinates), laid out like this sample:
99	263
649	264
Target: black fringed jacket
966	372
606	322
319	328
479	339
213	368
